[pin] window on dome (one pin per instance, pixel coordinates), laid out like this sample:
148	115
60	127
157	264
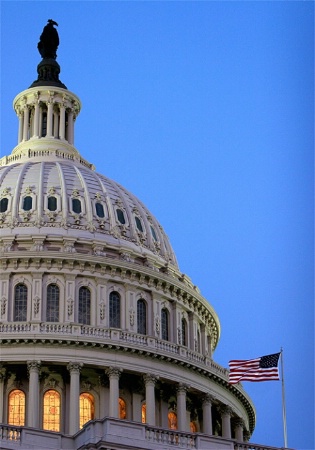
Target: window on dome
99	210
184	332
141	317
143	413
44	124
164	323
139	224
121	216
84	305
86	408
16	413
3	205
52	203
122	409
114	310
20	303
52	309
27	203
76	206
172	420
153	234
51	411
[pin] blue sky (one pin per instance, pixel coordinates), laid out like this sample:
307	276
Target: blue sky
205	111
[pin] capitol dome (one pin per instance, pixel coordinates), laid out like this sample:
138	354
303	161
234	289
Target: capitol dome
104	342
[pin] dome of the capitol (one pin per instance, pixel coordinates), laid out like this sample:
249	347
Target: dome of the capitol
104	342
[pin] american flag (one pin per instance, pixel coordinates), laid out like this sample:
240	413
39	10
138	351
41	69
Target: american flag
264	368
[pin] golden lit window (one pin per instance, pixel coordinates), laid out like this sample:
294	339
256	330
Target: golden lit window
122	409
193	427
172	421
51	415
143	413
16	414
86	408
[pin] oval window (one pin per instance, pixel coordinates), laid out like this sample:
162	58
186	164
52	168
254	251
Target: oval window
52	203
76	205
121	216
27	203
99	210
3	205
139	224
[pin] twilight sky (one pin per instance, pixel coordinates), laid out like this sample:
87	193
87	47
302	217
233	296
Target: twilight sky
205	111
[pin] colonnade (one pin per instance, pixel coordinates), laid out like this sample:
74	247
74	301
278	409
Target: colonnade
113	373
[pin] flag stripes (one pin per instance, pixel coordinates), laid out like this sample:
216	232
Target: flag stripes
264	368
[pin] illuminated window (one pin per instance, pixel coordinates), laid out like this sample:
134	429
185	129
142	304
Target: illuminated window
121	216
51	415
114	310
184	332
144	413
193	427
27	203
122	409
16	414
3	205
141	317
86	408
20	303
84	305
172	420
52	311
164	324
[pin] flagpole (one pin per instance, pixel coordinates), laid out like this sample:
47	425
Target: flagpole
283	404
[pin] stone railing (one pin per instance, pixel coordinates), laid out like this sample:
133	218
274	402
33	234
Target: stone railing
117	434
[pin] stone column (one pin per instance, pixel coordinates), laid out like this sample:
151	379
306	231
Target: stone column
2	378
181	407
113	374
33	394
226	413
36	120
62	124
21	126
207	413
25	123
56	124
150	381
74	406
70	127
49	117
239	428
136	407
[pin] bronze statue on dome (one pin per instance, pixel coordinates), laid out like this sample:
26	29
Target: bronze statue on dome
49	41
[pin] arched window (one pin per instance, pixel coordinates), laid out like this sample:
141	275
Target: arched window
52	203
99	210
51	412
172	420
20	303
52	309
3	205
114	310
27	203
143	413
141	317
164	324
121	216
16	413
86	408
76	206
122	409
84	305
184	332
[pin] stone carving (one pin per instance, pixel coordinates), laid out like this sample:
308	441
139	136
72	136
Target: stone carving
36	305
131	317
74	367
3	303
102	311
70	303
49	41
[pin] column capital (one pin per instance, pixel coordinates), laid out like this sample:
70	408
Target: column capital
74	367
225	410
113	372
208	398
150	378
182	388
33	366
3	371
238	423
